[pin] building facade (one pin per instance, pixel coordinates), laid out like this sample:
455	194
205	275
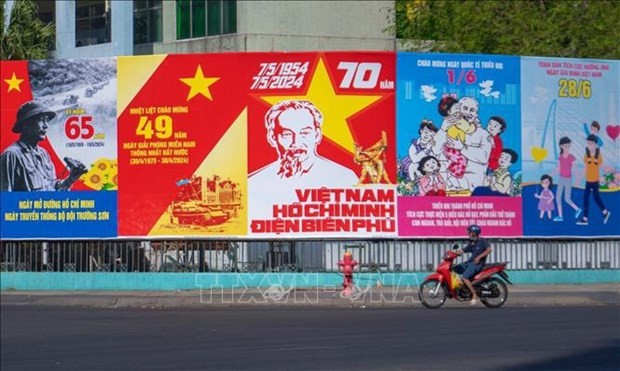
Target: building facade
103	28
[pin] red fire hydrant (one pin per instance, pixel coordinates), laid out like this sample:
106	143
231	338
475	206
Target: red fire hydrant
347	265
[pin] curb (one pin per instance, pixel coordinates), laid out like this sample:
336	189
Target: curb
375	298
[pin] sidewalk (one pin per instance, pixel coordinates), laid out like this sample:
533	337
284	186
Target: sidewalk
277	296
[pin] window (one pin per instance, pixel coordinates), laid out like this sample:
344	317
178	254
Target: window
191	19
229	17
147	21
215	17
198	18
92	22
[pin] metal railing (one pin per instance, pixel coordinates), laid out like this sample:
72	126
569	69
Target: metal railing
290	256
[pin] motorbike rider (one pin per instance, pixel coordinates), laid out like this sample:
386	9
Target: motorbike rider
479	249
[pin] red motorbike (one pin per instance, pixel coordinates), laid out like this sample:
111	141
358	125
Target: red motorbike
445	283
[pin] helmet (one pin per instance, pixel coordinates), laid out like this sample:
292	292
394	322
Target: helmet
474	229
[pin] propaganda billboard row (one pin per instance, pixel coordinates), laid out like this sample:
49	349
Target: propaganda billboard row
309	145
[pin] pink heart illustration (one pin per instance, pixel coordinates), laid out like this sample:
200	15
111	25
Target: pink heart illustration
613	131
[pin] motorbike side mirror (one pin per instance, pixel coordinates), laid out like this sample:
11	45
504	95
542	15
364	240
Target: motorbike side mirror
455	246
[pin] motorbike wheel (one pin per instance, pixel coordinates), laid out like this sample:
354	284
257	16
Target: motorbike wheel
432	294
496	286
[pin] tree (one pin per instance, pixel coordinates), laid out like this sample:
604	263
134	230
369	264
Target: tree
559	28
26	36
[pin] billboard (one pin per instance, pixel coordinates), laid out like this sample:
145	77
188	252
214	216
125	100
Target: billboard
321	145
59	175
182	131
459	144
571	162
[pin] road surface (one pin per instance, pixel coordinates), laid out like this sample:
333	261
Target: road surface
534	338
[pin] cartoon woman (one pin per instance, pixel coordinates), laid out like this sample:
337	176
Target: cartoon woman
546	196
420	147
566	163
431	183
458	129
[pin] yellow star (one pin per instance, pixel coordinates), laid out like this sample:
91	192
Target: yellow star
336	108
199	84
14	83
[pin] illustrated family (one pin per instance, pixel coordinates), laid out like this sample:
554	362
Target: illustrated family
566	169
461	156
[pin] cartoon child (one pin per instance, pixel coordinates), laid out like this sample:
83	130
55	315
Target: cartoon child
595	127
458	129
431	183
501	180
495	127
546	196
566	163
593	161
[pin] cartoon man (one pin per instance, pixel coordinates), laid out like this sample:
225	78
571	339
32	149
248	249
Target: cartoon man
593	160
294	131
476	148
24	165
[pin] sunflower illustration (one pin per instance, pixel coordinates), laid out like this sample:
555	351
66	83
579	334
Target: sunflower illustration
102	175
93	179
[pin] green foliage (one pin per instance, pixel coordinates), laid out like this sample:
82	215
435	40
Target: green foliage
2	4
516	184
26	36
404	185
560	28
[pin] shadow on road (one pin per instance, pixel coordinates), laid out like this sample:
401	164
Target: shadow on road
606	357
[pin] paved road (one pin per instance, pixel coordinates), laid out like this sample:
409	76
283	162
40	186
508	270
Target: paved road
512	338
